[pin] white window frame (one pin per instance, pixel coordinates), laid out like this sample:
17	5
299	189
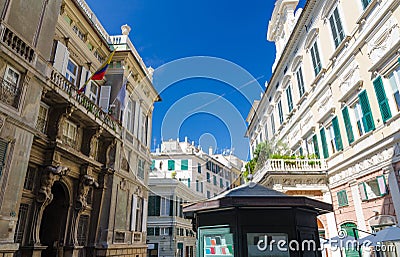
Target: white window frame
272	120
289	89
357	116
300	75
44	107
7	76
331	140
394	82
336	25
69	74
314	45
128	116
280	111
164	231
164	207
70	131
91	95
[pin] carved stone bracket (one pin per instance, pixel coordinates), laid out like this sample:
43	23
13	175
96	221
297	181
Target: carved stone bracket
85	183
94	143
44	196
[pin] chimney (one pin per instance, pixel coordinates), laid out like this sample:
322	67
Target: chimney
210	150
186	139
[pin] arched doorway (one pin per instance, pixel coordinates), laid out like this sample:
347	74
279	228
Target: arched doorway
52	229
348	228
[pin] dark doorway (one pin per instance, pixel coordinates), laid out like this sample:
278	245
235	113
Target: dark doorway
54	221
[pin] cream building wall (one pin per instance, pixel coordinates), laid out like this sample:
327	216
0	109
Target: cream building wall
366	52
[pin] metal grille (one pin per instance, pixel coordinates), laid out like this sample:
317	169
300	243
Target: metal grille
29	178
82	229
119	237
22	217
10	93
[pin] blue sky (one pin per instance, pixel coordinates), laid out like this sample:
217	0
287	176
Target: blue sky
207	100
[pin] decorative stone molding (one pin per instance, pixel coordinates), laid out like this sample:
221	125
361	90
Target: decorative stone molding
110	154
384	40
363	165
94	143
85	183
44	196
350	78
325	104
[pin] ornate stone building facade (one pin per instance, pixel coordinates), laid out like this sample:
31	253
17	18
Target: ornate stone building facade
73	182
334	93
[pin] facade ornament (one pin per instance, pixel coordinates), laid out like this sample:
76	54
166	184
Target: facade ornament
44	196
94	143
85	183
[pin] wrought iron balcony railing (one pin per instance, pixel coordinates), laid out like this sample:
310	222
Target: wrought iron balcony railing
64	84
10	93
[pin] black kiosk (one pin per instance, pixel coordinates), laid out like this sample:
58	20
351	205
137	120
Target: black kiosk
255	221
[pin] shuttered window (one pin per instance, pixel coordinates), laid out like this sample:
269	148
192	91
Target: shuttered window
324	144
280	112
171	165
3	152
316	60
315	143
373	188
367	119
336	27
289	98
104	101
184	165
338	137
300	81
365	3
154	205
382	100
342	198
347	124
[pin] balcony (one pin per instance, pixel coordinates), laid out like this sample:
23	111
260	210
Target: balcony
70	89
298	167
16	44
10	93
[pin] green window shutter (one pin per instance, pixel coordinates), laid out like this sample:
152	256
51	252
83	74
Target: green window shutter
316	148
347	124
153	164
171	206
324	145
382	185
188	182
342	198
338	137
184	165
382	100
365	3
363	191
171	165
367	118
3	152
